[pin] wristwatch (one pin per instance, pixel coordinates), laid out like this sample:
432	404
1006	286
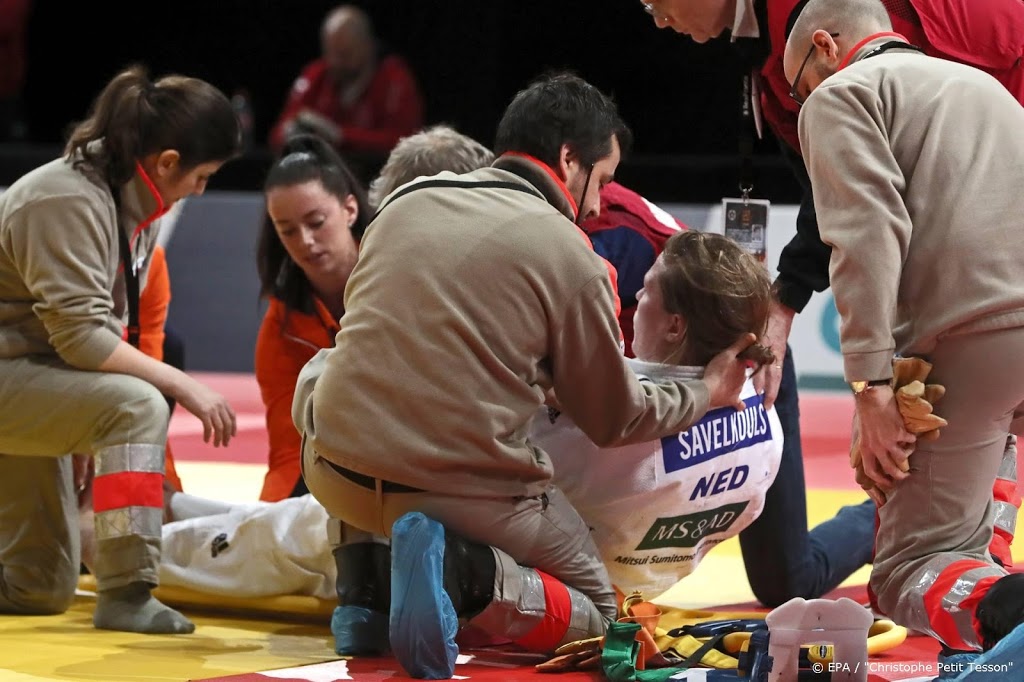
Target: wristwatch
862	386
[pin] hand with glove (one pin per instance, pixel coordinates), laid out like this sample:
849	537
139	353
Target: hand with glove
915	401
584	654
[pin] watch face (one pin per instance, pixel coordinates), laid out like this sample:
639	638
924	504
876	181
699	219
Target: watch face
858	386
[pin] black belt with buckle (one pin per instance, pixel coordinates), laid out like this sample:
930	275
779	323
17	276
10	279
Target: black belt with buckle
370	482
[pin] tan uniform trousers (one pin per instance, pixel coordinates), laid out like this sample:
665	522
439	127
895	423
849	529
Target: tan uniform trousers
47	410
544	533
931	549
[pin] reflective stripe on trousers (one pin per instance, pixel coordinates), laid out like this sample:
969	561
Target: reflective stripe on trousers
128	491
537	611
941	598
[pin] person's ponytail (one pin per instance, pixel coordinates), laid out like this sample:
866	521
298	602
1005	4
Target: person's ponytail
115	118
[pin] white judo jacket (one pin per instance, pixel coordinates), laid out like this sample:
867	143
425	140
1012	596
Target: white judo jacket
656	508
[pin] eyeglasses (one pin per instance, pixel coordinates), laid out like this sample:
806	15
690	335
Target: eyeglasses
796	81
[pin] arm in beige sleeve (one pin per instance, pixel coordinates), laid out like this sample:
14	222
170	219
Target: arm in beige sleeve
304	386
60	246
599	391
858	197
127	359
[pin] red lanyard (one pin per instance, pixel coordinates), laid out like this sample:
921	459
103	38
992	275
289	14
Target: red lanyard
874	36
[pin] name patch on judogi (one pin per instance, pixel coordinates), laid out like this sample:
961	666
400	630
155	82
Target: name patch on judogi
720	432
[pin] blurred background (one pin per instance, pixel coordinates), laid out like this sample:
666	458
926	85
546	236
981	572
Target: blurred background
469	56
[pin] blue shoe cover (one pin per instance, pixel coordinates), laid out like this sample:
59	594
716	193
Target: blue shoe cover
359	631
423	621
1003	662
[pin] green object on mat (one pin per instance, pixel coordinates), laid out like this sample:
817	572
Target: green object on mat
619	656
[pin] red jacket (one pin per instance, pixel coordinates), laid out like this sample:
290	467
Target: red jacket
390	108
629	234
986	34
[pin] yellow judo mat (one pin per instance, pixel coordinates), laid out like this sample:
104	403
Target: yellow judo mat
67	647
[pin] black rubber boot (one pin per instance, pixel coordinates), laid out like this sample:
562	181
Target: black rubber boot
1001	609
469	570
360	623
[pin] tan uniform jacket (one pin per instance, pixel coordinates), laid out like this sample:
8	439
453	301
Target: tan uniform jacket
60	286
466	306
916	165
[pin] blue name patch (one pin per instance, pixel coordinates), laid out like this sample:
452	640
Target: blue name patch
720	432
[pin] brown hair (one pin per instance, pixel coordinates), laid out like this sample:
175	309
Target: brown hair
134	117
720	290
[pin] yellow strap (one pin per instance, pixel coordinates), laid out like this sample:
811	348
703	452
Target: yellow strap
686	646
882	636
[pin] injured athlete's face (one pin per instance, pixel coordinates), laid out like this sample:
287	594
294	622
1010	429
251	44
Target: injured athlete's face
657	334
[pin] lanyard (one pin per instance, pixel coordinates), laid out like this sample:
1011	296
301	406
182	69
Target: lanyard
878	50
131	275
746	136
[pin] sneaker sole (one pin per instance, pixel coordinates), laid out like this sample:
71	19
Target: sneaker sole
423	622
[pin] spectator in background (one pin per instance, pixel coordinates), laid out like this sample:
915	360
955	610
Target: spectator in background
629	233
357	95
13	27
439	148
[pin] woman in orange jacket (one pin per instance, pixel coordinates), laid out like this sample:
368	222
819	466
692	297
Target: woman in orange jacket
316	214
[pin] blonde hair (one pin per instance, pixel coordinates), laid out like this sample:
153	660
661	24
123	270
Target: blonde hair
436	149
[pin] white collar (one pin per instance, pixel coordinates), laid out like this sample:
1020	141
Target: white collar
658	372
